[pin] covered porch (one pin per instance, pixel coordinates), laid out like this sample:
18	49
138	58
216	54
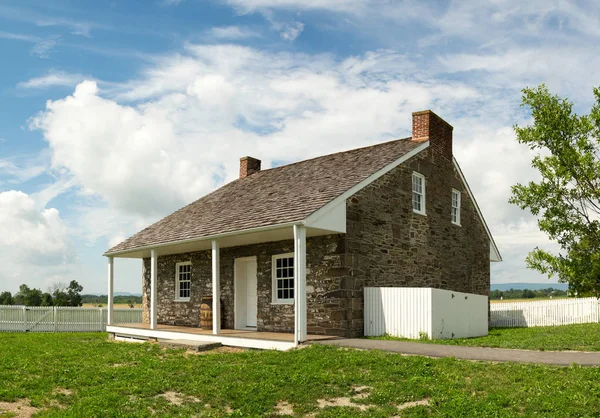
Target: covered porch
245	333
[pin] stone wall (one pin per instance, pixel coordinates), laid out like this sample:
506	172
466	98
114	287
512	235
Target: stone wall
327	306
387	244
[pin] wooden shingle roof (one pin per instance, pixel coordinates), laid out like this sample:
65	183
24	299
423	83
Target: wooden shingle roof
279	195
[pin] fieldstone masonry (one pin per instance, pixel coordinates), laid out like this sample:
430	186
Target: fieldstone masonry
385	244
326	310
389	245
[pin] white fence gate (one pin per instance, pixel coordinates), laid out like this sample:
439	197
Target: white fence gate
544	313
62	318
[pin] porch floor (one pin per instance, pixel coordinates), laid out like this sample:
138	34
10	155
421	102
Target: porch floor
234	337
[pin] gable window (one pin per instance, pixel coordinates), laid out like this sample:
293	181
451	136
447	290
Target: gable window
183	280
455	207
283	278
418	193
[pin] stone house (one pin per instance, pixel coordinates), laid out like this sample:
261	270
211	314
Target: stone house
290	249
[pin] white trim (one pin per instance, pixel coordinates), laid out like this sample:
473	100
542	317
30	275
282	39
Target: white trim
357	187
423	194
206	238
494	253
111	288
216	286
177	297
274	299
153	289
458	200
261	344
300	330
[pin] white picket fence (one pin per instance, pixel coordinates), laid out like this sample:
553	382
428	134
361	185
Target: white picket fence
544	313
62	319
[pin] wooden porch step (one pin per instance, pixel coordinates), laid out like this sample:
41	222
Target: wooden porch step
189	345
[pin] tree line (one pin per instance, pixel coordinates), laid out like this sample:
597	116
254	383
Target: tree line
103	299
58	295
527	293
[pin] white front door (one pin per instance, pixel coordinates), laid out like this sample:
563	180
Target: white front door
246	295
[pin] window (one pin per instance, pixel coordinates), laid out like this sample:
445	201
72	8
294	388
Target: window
283	278
418	193
183	280
455	207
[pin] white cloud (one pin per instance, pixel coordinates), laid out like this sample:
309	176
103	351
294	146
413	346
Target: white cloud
43	48
145	147
28	229
19	37
197	113
12	169
77	27
290	31
332	5
34	245
52	79
232	33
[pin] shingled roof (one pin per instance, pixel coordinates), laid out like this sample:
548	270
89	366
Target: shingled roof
275	196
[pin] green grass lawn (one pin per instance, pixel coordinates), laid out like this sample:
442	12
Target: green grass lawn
578	337
86	375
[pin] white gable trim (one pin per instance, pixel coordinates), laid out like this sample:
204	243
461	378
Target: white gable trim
314	219
341	199
494	252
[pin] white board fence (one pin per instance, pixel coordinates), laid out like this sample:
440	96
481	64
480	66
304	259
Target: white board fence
413	312
62	318
544	313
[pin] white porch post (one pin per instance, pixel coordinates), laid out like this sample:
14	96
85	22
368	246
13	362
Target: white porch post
111	290
300	283
153	272
216	274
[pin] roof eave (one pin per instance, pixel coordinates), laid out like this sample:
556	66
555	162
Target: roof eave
205	238
494	252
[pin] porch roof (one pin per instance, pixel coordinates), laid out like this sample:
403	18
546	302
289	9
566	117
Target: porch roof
278	196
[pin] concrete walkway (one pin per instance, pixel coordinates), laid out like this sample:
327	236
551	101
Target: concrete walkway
561	358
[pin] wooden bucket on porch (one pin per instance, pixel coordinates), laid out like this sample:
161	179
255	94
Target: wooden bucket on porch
206	313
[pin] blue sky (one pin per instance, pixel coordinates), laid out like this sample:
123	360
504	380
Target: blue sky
113	114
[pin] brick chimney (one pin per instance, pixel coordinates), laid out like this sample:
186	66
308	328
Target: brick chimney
427	126
249	166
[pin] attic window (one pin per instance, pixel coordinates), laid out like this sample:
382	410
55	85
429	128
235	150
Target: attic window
418	193
455	207
183	281
283	278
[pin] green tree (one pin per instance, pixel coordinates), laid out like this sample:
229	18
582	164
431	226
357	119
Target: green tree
6	298
567	198
74	293
59	295
28	297
47	299
528	294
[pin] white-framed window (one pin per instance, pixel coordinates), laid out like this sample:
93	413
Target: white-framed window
283	278
183	280
455	207
418	193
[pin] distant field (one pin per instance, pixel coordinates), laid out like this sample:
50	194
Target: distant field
104	305
526	300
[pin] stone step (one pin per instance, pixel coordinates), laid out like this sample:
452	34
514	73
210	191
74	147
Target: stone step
189	345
